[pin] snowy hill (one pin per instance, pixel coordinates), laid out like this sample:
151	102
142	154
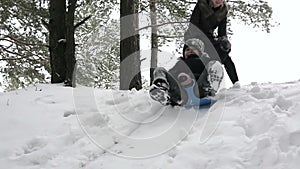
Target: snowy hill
50	126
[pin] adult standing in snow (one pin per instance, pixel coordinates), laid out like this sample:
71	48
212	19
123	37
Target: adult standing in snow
194	66
207	16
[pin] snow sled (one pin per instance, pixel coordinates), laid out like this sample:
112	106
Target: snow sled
194	101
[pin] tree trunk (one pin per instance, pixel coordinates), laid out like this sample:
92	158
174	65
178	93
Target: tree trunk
62	41
57	40
70	45
130	75
154	38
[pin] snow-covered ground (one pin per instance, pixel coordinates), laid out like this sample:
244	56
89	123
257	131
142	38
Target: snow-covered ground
51	126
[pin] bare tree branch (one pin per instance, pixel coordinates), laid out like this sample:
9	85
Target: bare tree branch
20	56
146	27
82	22
168	36
19	42
45	24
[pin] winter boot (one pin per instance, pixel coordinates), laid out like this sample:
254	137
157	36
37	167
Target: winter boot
215	76
159	91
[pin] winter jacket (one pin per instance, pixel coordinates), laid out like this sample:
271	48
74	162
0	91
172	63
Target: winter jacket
193	66
207	19
204	20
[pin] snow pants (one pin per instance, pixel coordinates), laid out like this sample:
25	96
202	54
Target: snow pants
176	91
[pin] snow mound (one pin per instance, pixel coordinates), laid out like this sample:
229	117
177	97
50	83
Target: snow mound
51	126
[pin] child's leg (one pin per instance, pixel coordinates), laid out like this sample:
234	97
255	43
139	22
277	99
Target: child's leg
165	88
176	92
215	75
203	87
160	86
210	80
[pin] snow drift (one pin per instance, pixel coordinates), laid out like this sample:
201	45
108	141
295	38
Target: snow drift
50	126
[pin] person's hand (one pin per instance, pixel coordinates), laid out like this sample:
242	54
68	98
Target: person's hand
225	45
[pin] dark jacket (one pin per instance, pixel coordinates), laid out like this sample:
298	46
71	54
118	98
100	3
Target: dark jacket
207	19
203	22
193	66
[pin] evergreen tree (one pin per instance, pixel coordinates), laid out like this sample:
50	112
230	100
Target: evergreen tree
98	59
98	44
24	57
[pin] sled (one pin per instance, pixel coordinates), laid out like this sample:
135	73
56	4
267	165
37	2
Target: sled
194	101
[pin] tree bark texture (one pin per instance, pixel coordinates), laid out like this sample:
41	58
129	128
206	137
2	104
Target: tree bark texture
154	38
70	45
62	41
130	75
57	40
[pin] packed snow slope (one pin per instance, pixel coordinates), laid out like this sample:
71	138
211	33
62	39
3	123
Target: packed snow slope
51	126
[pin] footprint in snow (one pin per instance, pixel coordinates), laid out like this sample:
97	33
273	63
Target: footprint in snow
45	100
31	146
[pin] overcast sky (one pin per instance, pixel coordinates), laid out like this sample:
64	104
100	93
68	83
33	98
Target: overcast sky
274	57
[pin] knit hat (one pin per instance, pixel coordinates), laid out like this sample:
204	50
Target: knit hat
195	44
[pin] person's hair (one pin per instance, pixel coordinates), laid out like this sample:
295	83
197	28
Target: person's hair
223	4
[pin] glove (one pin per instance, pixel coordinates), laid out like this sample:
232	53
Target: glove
184	79
225	45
